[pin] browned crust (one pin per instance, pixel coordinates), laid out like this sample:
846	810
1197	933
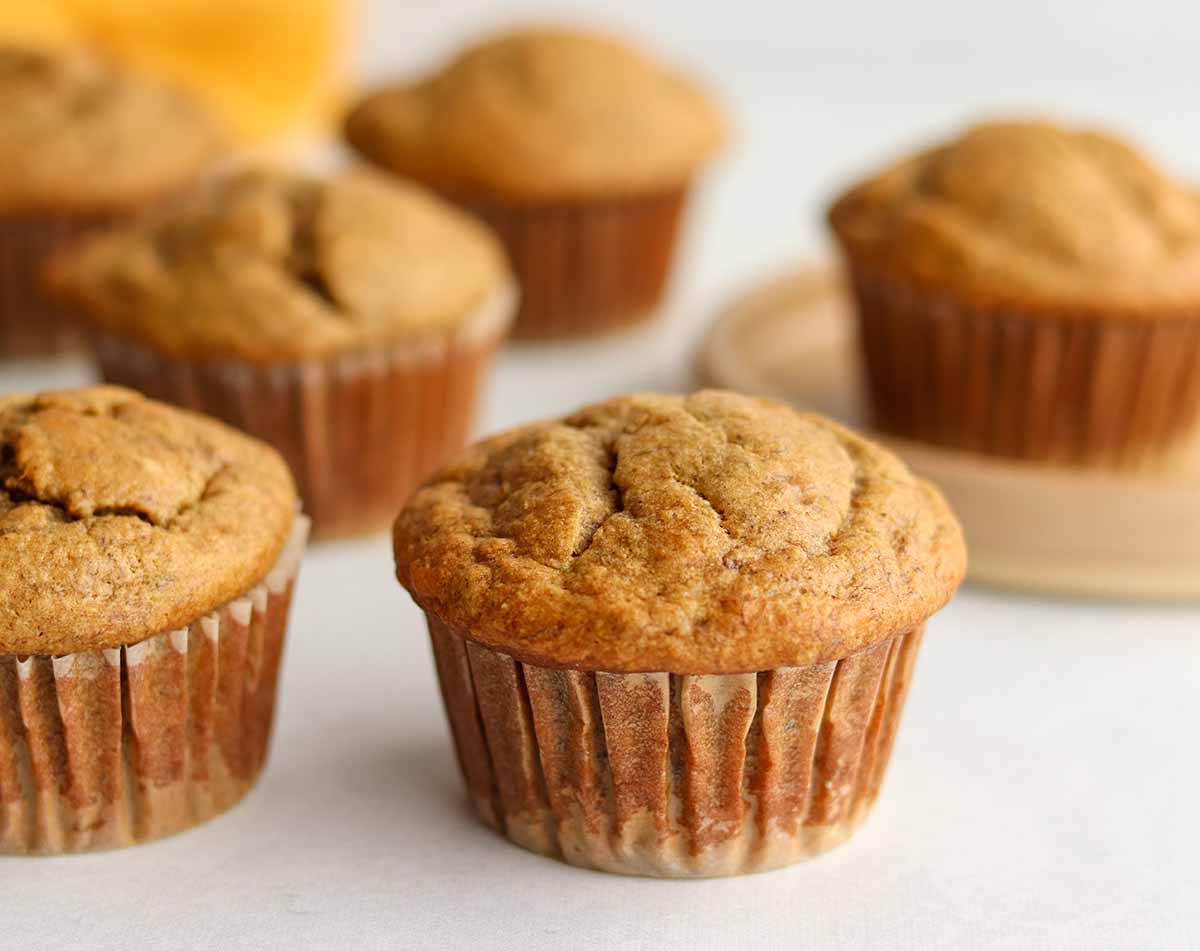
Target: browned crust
1053	222
543	114
359	432
706	534
84	136
121	518
269	267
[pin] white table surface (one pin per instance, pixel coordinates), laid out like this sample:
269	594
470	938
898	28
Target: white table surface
1043	790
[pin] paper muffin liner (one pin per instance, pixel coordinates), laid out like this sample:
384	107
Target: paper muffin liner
108	748
588	266
673	776
1072	389
360	431
31	324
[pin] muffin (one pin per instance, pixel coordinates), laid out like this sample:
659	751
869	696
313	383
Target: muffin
1030	291
81	144
577	149
674	633
147	557
348	321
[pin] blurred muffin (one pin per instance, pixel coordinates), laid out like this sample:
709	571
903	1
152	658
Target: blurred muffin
347	321
266	82
674	634
1030	291
577	149
147	557
81	144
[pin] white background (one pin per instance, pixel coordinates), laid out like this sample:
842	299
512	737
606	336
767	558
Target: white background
1043	790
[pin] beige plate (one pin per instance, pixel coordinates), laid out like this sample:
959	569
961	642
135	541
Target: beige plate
1028	526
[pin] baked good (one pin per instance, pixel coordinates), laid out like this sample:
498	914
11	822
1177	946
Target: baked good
674	633
578	149
82	143
147	557
348	321
1031	291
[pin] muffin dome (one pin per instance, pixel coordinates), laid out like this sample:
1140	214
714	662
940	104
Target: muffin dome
711	533
121	518
1033	212
274	266
81	135
543	114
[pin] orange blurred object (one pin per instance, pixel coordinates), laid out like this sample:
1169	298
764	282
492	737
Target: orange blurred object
272	67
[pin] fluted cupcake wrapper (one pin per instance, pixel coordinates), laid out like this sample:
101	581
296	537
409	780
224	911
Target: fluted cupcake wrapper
589	266
360	431
1074	389
674	776
31	324
108	748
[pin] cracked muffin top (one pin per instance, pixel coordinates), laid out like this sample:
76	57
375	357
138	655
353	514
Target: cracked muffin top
271	266
1032	213
122	518
541	115
79	134
711	533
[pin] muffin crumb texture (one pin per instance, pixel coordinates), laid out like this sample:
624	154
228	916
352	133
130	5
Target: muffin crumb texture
1034	213
270	266
121	518
543	115
78	134
712	533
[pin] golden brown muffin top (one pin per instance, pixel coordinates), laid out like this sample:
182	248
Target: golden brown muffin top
543	115
711	533
270	267
78	134
1034	213
122	518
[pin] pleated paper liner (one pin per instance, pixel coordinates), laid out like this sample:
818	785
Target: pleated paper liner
1131	533
1068	389
589	266
109	748
360	431
32	325
673	776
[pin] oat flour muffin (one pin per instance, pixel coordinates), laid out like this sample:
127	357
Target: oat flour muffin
147	557
347	321
1030	291
580	152
674	634
81	144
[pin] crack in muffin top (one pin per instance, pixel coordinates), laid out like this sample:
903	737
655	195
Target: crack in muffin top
711	533
80	134
1033	212
541	115
122	518
271	266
